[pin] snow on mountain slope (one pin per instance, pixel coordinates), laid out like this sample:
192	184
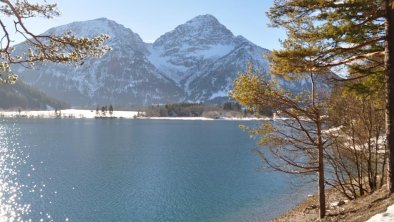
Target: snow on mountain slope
121	37
204	57
195	62
181	52
122	76
218	76
198	33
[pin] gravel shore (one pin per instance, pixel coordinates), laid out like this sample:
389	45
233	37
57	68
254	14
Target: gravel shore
340	209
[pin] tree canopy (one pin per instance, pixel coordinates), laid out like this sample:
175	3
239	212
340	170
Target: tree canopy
353	36
350	33
295	144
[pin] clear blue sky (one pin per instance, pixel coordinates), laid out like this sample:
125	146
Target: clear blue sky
152	18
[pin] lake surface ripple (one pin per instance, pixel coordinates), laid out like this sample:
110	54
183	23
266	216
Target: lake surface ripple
136	170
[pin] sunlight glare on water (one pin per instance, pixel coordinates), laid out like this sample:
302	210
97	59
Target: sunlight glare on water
11	157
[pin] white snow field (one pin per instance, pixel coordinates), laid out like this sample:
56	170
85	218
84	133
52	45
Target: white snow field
68	113
387	216
90	114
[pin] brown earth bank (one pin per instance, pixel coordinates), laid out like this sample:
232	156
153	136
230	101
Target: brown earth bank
339	208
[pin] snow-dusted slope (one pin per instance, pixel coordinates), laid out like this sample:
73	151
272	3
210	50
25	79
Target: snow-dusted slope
216	78
183	51
123	76
197	62
203	57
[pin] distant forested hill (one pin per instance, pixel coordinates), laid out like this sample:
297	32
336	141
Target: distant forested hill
22	96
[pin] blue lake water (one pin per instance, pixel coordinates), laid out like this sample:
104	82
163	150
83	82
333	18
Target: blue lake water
136	170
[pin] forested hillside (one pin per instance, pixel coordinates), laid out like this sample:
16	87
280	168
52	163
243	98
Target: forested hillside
22	96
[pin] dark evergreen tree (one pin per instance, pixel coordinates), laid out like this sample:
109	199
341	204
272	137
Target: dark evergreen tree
104	110
111	110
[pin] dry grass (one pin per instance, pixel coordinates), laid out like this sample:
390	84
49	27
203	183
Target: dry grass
356	210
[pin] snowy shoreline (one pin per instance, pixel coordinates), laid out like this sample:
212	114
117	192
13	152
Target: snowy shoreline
92	114
204	118
67	113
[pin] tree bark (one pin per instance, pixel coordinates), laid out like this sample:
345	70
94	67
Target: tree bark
322	194
389	68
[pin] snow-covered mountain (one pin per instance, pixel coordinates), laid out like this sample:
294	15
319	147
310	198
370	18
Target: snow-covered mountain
203	57
195	62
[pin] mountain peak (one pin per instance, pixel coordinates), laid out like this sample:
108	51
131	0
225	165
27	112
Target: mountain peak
90	28
206	23
120	37
204	20
201	30
102	19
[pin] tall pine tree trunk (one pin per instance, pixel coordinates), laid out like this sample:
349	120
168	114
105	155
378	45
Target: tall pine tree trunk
389	67
322	194
320	172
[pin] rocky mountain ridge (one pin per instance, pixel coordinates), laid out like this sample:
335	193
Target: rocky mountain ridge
195	62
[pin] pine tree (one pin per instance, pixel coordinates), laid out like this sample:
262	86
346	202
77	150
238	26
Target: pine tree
356	36
298	60
389	71
104	110
298	136
111	110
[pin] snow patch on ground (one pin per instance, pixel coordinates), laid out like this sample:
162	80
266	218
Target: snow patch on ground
384	217
221	93
176	118
348	141
333	130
